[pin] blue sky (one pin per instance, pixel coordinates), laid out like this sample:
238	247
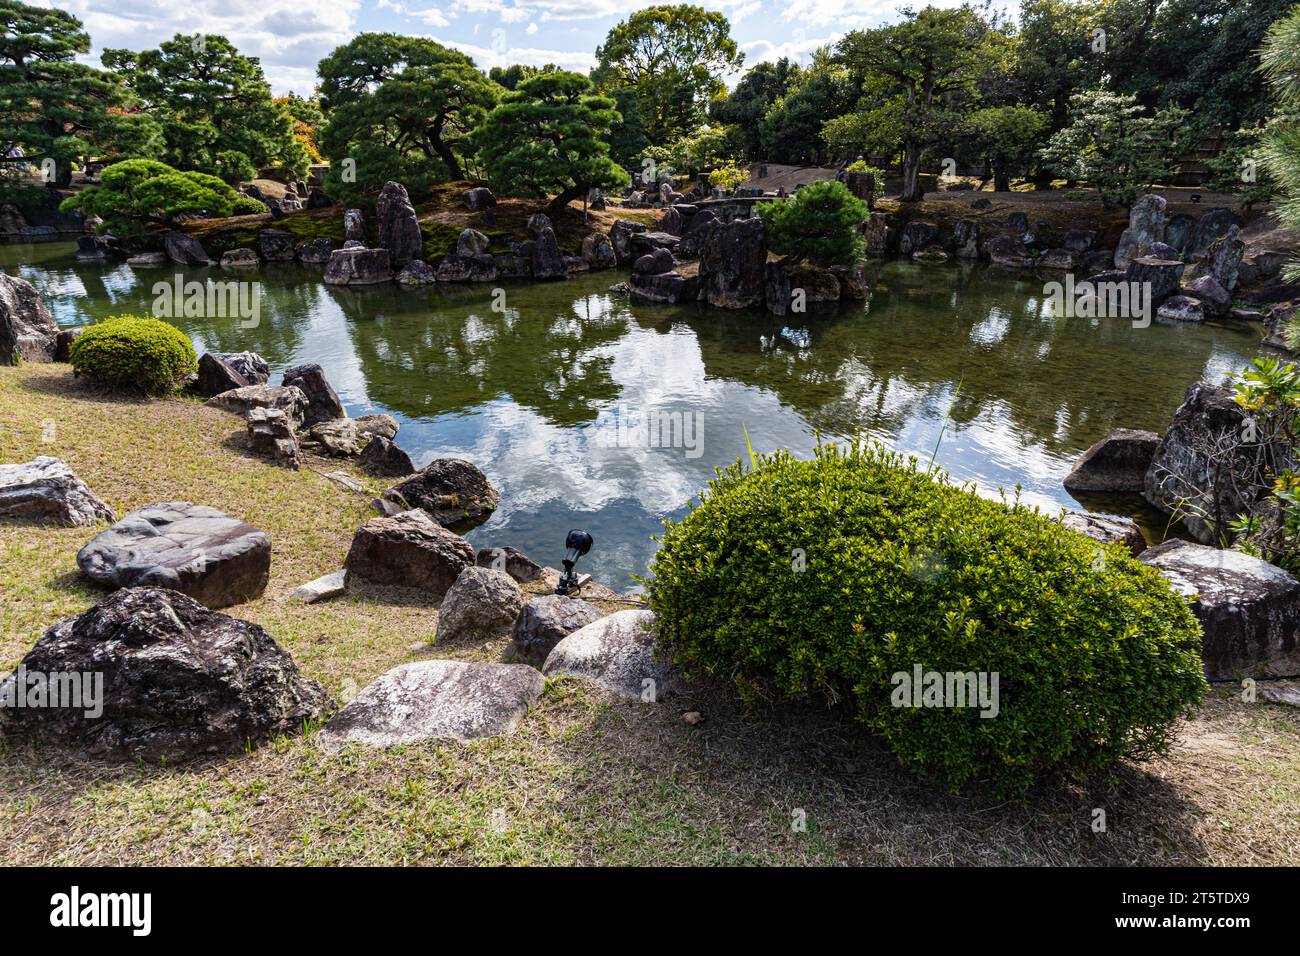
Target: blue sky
291	36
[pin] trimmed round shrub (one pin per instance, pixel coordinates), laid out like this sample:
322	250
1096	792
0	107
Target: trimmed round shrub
839	575
133	353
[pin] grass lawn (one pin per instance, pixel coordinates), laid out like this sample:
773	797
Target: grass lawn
586	778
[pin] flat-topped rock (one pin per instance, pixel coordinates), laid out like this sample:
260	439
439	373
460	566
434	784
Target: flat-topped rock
545	621
321	588
1249	609
46	491
349	437
436	700
408	550
357	265
241	401
1117	463
214	558
616	653
179	681
454	492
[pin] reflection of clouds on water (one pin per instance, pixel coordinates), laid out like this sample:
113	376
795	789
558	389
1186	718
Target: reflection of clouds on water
992	329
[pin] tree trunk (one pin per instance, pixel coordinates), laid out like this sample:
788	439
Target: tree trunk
912	188
448	158
556	205
1001	179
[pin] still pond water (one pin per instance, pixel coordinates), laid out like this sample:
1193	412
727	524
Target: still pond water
547	392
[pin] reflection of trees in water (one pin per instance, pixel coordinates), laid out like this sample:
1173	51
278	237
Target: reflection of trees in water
1059	382
290	297
453	352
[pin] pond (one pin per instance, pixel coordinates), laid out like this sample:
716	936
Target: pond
550	388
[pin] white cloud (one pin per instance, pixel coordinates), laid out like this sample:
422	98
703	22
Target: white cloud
432	16
532	28
499	55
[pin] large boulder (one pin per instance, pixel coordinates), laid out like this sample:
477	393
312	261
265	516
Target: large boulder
416	273
1117	463
248	364
358	266
435	700
510	560
1178	230
790	286
1107	530
216	375
467	268
214	558
733	264
240	259
478	199
323	403
46	491
354	226
243	400
875	231
620	237
1249	609
384	459
471	242
617	653
185	250
853	282
670	287
545	621
276	245
178	681
408	550
547	260
1161	277
916	235
1179	309
480	606
349	437
1223	259
1203	471
1213	224
1009	252
451	490
399	231
1215	299
1146	226
316	252
27	330
598	251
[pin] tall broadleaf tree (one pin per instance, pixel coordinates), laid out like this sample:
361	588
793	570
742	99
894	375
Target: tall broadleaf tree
549	137
674	57
211	100
52	107
401	103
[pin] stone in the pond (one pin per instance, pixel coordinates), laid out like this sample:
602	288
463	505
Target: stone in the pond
383	458
357	265
1249	609
409	550
1118	462
545	621
512	561
321	588
179	681
250	365
1107	530
480	606
616	653
436	700
214	558
452	490
45	491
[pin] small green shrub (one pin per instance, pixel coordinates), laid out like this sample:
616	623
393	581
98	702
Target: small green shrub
832	575
819	223
134	354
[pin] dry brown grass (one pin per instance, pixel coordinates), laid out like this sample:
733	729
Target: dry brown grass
586	779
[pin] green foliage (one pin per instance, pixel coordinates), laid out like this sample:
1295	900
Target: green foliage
729	176
1114	145
826	577
211	100
751	100
1238	168
548	137
877	174
674	58
52	107
400	107
1279	60
1270	391
821	223
136	192
1008	137
134	354
791	130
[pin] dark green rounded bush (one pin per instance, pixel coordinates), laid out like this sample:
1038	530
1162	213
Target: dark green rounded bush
134	354
832	575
